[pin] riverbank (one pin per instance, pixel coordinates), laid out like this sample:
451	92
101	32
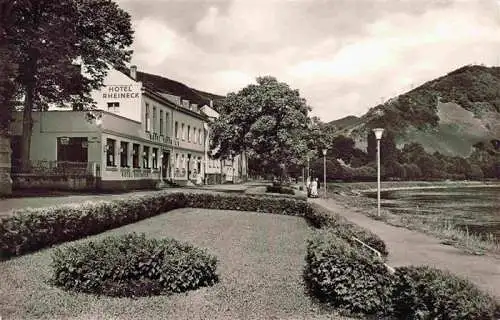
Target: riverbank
438	224
364	187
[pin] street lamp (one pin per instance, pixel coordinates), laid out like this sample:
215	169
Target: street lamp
161	167
378	135
324	171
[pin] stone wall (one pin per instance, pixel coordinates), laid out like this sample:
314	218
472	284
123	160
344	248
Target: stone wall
5	164
27	181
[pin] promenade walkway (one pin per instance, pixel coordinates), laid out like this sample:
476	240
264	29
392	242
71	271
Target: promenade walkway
407	247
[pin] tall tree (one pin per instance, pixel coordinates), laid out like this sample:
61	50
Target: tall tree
8	67
268	120
49	36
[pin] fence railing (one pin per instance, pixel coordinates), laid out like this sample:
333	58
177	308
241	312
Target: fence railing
54	168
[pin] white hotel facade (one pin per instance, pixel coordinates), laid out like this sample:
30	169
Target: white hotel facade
145	129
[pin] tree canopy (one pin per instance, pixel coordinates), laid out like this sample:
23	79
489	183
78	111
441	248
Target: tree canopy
268	120
49	36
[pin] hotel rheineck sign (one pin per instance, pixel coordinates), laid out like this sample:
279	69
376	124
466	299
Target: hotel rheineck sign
121	92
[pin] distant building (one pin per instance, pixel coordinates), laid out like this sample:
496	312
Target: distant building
145	129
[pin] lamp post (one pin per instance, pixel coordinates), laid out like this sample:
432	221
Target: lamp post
378	135
307	166
161	167
324	171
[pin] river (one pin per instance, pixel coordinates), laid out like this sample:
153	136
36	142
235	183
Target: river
474	208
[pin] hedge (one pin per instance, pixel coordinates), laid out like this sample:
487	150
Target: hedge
32	229
320	217
280	189
347	277
344	276
131	265
423	292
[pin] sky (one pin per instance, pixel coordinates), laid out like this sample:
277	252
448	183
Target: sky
344	56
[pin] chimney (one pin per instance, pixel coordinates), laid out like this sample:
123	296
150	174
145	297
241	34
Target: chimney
211	104
133	72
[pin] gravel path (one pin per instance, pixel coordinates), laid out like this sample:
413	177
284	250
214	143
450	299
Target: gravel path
407	247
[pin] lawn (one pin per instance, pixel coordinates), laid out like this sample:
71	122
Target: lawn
261	257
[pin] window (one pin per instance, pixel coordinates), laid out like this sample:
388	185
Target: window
177	130
145	157
189	133
114	107
177	160
183	162
161	122
166	125
71	149
155	158
201	137
183	132
147	120
110	152
135	155
154	120
123	154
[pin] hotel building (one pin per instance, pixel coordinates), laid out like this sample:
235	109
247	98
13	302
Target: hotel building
145	130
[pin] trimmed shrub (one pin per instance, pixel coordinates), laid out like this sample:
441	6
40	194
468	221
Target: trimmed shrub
131	265
220	201
320	217
345	277
280	189
427	293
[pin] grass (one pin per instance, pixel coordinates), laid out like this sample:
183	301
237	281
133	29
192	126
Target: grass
435	225
261	258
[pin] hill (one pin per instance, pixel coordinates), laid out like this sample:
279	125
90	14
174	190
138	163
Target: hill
344	122
448	114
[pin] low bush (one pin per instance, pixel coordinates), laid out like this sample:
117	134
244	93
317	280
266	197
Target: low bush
345	277
320	217
132	265
426	293
280	189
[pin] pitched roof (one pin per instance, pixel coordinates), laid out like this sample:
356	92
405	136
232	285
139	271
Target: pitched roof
165	85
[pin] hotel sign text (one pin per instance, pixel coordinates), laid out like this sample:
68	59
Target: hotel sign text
121	92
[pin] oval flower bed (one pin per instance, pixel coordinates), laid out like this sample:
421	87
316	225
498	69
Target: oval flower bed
132	265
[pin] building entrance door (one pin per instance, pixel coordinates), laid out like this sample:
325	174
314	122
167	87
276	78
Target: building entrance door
164	164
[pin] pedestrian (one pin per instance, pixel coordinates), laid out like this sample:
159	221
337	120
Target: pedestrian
314	188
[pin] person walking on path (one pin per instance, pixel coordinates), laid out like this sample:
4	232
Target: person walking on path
314	188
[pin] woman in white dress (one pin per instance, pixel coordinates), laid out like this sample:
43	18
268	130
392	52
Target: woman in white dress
308	186
314	188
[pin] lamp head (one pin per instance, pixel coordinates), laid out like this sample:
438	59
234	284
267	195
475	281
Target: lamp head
378	133
324	152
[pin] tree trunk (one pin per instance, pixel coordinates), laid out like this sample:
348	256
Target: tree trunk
27	128
5	165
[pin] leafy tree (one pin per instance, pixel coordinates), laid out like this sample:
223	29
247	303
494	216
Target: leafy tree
334	170
268	120
388	150
342	147
411	151
428	165
8	68
49	36
359	158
